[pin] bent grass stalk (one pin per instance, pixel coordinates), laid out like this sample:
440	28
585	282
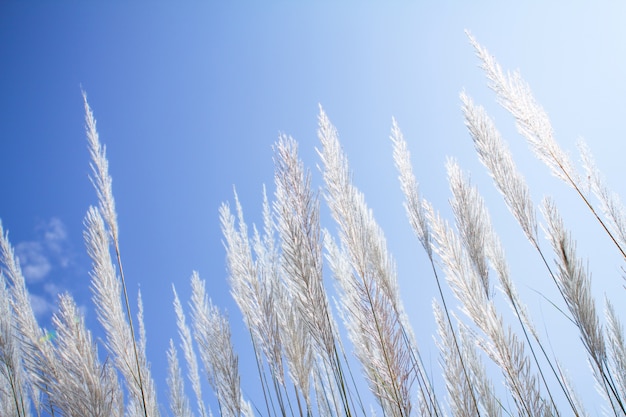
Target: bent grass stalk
103	184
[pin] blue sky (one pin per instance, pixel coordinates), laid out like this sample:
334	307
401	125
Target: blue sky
189	99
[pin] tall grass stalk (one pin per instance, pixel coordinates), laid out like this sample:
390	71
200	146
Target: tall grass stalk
14	397
179	403
25	328
575	285
108	287
83	385
473	223
499	343
212	334
297	211
257	291
533	123
417	218
611	205
616	347
497	158
373	302
464	393
193	372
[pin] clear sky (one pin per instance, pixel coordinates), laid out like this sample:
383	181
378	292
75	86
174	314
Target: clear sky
190	96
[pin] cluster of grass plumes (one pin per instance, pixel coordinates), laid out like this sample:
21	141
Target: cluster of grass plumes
277	280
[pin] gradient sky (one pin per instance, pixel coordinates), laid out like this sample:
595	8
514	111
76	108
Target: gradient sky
190	97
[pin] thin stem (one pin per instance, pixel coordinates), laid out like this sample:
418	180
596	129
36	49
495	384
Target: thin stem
456	343
130	322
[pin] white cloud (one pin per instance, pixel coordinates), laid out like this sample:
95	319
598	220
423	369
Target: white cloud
38	257
41	306
35	264
52	289
55	235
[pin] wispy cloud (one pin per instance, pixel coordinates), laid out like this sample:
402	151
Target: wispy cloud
52	289
33	260
37	257
55	239
41	259
41	305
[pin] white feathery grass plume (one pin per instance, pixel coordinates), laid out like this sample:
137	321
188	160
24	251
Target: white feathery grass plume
364	241
491	405
268	292
481	242
339	266
103	184
472	222
253	285
297	344
212	333
242	270
190	355
148	382
69	372
45	372
461	276
179	403
531	119
321	385
362	236
101	179
410	188
532	122
297	213
417	218
617	346
107	289
140	324
575	285
360	233
14	399
427	408
502	345
246	408
256	288
267	246
464	391
423	405
268	269
7	403
611	205
24	322
460	397
577	404
376	333
496	156
497	259
107	294
83	386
